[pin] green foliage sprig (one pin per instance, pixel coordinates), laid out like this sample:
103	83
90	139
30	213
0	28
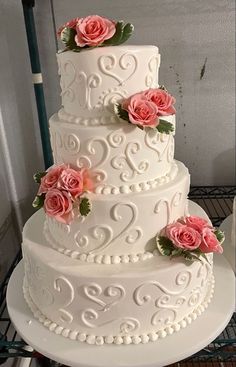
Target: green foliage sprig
122	34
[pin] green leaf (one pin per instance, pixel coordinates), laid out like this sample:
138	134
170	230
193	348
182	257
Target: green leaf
123	114
205	257
115	39
219	235
165	127
127	32
85	207
164	245
68	38
38	201
162	87
176	253
38	176
190	256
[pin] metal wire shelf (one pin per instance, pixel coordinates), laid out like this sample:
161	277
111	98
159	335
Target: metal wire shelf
217	202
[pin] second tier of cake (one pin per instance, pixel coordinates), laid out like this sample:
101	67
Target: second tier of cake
121	228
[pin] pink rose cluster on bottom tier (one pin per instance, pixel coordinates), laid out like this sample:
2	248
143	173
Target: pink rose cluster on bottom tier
191	237
128	303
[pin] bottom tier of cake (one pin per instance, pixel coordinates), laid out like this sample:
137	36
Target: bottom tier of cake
121	304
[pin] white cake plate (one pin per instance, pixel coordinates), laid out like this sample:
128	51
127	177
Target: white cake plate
155	354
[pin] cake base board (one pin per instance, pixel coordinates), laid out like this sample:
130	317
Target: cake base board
160	353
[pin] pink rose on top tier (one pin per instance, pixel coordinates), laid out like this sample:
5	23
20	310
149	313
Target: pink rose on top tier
163	100
210	242
71	24
196	222
71	181
94	30
58	204
141	111
49	181
182	236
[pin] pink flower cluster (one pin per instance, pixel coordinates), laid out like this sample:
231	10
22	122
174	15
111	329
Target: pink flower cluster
91	31
145	108
62	186
191	233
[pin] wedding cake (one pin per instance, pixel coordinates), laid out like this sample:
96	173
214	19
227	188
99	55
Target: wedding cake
112	255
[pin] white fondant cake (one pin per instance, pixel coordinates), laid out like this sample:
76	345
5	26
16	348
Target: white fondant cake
124	303
92	80
121	227
98	279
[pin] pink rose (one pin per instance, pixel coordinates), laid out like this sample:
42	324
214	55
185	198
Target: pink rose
94	30
162	100
209	242
71	181
87	181
196	223
141	111
58	204
71	24
182	236
50	180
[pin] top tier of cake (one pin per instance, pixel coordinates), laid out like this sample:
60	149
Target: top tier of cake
93	80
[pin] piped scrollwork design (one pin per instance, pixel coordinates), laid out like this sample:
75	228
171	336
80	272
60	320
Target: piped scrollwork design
65	289
111	97
162	144
116	138
109	65
174	202
120	162
182	282
68	77
94	147
131	234
168	301
64	143
195	296
151	77
129	325
86	84
114	293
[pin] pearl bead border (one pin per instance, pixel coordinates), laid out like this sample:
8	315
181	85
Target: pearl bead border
117	340
139	186
87	121
97	259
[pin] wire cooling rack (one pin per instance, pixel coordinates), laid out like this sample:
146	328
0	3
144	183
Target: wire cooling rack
217	202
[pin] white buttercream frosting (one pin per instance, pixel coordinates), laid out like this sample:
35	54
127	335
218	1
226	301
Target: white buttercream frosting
120	157
120	228
124	303
98	280
92	81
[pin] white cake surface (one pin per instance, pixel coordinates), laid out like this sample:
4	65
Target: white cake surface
92	79
121	157
121	228
121	304
98	279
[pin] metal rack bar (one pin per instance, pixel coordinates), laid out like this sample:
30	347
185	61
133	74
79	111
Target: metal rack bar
37	79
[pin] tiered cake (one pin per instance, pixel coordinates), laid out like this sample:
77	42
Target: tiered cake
99	278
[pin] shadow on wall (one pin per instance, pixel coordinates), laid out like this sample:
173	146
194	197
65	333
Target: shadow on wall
224	168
